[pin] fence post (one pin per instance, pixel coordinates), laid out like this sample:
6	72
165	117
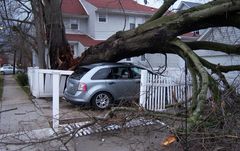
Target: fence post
30	77
143	88
55	95
36	82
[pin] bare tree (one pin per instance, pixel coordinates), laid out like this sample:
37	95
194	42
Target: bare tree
16	28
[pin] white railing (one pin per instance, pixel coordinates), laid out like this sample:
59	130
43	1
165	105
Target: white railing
157	91
48	83
41	83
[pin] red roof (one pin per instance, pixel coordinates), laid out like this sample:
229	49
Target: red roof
83	39
73	7
129	5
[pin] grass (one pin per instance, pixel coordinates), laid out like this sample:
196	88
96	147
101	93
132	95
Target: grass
1	86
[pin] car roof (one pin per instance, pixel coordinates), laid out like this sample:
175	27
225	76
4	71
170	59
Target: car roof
112	64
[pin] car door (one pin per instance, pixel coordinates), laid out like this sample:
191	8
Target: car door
9	70
120	83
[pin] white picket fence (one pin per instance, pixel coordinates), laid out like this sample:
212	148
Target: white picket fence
48	83
41	81
157	91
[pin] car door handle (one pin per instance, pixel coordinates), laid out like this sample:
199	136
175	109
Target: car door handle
138	82
110	83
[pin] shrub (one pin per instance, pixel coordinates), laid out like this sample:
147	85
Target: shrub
22	79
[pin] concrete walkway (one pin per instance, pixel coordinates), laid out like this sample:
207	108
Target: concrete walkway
21	121
22	114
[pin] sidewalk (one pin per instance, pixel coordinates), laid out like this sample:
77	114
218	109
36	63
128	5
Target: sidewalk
21	120
24	116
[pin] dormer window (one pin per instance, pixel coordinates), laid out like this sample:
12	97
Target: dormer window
143	58
74	26
102	17
196	33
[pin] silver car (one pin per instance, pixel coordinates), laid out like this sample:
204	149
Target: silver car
103	83
7	69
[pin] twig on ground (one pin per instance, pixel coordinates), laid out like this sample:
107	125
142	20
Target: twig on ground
9	110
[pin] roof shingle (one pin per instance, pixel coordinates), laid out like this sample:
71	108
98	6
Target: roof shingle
83	39
129	5
73	7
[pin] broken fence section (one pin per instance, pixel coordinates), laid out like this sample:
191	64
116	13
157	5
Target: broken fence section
157	91
96	128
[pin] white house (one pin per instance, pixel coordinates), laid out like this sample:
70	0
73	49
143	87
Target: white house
89	22
227	35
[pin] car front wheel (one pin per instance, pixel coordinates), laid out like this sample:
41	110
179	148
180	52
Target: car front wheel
102	100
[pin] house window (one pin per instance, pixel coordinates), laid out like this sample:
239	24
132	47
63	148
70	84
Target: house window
102	17
128	59
143	58
74	23
74	26
132	25
196	33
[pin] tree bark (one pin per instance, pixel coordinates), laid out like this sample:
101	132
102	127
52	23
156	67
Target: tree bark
40	32
59	49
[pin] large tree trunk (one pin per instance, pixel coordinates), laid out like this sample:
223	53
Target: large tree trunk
59	49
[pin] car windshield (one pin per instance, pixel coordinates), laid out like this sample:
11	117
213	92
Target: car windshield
79	73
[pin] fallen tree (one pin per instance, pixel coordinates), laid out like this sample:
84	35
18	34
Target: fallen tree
159	35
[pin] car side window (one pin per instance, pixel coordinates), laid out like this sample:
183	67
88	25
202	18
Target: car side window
101	74
119	73
136	72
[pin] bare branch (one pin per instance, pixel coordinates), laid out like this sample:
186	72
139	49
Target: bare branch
162	9
226	48
24	5
17	20
219	67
